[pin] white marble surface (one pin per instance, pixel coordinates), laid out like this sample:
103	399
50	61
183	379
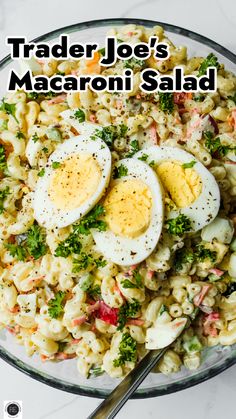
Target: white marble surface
214	399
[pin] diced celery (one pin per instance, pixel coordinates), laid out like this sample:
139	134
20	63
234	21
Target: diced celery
54	134
85	282
192	345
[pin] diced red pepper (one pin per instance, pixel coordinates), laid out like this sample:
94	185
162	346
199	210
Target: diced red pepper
200	297
108	314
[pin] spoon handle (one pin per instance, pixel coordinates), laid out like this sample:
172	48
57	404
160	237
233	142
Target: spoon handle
109	408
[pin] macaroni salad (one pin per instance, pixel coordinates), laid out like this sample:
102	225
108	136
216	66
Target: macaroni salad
117	215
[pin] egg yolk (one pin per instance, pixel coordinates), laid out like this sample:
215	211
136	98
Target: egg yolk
183	185
74	181
128	208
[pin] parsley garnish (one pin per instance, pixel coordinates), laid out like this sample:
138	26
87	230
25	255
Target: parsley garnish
33	244
162	309
56	309
94	292
166	102
86	260
210	61
68	246
127	351
3	194
80	115
20	135
134	148
126	283
179	225
199	98
45	149
183	256
56	164
91	220
32	95
134	63
9	109
215	145
120	171
72	243
202	253
41	173
35	137
233	98
144	157
102	51
36	241
16	251
110	133
189	165
126	311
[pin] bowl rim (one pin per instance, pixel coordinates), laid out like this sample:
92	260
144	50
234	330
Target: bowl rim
164	389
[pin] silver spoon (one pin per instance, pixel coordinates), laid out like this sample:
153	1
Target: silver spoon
109	408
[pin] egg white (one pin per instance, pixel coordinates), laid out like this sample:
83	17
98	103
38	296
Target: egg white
129	251
45	212
206	207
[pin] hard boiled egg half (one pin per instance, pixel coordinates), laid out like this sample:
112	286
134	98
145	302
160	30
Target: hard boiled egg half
190	188
133	213
76	177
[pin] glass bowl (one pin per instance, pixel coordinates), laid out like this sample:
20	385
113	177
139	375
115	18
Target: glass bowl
64	375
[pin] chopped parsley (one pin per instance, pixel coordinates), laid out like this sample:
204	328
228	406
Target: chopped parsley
91	220
134	148
35	137
56	307
87	261
68	246
110	133
19	252
202	253
120	171
79	115
94	292
210	61
179	225
45	149
144	157
128	310
32	95
134	64
183	256
33	244
189	165
233	98
199	98
3	194
9	109
72	243
214	145
56	164
126	283
102	51
20	135
127	350
41	173
3	161
36	242
166	102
